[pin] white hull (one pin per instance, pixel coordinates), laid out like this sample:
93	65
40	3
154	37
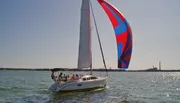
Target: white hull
79	85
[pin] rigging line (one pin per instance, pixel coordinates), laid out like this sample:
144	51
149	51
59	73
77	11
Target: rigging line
98	37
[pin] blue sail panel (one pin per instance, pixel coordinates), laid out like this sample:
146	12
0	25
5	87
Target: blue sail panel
123	34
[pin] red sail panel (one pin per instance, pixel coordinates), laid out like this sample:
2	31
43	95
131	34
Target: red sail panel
123	34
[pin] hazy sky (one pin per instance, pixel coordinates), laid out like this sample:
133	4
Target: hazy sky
45	33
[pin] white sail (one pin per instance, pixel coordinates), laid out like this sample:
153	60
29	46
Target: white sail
85	54
84	59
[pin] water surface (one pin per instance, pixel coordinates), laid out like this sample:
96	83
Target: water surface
123	87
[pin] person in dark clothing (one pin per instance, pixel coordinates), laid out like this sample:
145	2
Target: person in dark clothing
60	75
52	75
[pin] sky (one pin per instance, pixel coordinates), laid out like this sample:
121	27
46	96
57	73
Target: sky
45	33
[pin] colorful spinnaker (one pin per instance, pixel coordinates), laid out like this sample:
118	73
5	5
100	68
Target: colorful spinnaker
123	34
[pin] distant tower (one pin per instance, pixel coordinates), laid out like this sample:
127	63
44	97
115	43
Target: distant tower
159	65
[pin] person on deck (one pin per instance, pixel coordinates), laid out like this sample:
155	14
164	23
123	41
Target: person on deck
52	75
73	77
60	77
77	77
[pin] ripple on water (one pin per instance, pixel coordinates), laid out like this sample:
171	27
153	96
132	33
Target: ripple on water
32	87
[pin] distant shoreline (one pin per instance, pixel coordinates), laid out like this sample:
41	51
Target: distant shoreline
102	70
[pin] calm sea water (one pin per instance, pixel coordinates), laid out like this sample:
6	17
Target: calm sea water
123	87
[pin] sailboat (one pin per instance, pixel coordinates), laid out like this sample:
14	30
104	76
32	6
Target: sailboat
124	47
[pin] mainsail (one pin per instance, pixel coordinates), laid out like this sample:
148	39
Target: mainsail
123	34
85	54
